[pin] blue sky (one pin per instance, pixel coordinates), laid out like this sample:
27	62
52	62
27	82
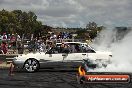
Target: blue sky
76	13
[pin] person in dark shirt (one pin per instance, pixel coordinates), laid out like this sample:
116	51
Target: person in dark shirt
64	48
20	48
61	47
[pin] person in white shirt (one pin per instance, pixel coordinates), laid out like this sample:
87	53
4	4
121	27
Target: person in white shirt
4	36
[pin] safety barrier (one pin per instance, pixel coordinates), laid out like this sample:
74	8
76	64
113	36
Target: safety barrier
8	58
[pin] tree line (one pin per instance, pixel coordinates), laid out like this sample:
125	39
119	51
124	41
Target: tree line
26	23
20	22
90	32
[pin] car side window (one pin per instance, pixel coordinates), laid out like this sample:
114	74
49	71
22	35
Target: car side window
87	50
90	51
75	48
53	51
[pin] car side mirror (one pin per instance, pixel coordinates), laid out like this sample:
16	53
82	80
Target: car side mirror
49	52
91	51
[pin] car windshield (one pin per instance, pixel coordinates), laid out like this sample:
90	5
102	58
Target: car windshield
92	47
78	47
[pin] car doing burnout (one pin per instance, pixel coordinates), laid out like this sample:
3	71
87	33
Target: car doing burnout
54	58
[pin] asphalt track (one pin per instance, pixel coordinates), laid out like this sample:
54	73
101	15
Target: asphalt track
49	79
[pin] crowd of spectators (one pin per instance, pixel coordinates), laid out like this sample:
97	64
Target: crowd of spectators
61	35
14	42
8	41
42	45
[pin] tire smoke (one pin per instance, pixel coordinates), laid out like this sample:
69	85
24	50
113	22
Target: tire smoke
120	44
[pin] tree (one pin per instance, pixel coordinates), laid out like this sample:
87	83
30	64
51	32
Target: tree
93	29
19	22
91	25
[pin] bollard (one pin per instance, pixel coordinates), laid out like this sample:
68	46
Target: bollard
11	70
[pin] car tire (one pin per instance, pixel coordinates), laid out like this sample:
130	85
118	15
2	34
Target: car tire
31	65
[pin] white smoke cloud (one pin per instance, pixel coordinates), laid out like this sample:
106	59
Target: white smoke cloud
104	40
121	50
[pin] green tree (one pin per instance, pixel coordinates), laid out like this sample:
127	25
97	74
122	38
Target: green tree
19	22
93	29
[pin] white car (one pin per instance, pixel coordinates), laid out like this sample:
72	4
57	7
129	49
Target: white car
54	58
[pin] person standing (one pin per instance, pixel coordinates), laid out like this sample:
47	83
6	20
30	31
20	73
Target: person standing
13	42
4	37
0	39
62	47
20	48
4	47
1	51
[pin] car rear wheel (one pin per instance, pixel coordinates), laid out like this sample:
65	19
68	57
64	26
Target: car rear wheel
31	65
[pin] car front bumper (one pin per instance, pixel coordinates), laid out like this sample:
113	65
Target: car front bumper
18	63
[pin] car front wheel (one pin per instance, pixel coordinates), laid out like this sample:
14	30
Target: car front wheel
31	65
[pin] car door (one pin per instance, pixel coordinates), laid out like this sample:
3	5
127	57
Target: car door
74	58
53	58
91	54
